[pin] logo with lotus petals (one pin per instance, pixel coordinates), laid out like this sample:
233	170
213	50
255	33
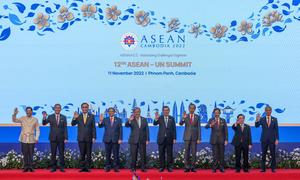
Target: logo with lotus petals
129	41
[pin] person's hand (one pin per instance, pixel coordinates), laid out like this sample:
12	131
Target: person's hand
156	115
131	118
184	115
119	141
198	141
76	115
225	143
65	141
257	117
174	141
147	142
250	146
276	142
44	114
101	118
16	111
94	140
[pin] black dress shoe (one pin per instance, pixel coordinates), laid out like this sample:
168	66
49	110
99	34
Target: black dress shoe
246	170
144	170
52	170
237	170
82	170
186	170
213	171
107	169
25	170
263	170
62	170
273	171
87	170
222	170
170	170
116	170
193	170
161	169
31	170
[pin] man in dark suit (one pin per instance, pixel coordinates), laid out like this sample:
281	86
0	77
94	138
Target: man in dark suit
58	136
191	137
242	142
269	137
113	135
166	137
86	135
138	138
218	139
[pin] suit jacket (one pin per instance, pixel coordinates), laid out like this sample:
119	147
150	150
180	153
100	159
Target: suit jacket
58	132
192	131
165	130
241	137
112	133
219	134
269	134
138	134
86	132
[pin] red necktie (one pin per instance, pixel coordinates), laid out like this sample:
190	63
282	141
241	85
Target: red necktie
191	118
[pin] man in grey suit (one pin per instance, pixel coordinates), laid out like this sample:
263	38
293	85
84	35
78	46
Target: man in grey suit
86	135
58	136
269	137
113	135
191	137
218	139
138	138
166	137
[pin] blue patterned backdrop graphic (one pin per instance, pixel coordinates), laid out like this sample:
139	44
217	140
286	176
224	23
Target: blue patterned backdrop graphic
45	17
124	109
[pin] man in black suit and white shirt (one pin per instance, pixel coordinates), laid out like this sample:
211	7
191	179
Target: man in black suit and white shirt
166	137
58	136
138	138
191	137
86	136
242	142
218	139
269	137
113	135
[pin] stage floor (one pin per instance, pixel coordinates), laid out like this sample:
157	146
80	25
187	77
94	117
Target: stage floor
153	174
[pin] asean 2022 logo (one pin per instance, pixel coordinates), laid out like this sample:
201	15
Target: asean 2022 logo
129	41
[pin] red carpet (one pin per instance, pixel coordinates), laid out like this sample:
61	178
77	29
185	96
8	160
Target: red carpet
73	174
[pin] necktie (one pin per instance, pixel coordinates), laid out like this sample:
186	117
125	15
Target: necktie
166	120
57	119
191	118
269	122
218	122
242	127
111	121
139	122
84	118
